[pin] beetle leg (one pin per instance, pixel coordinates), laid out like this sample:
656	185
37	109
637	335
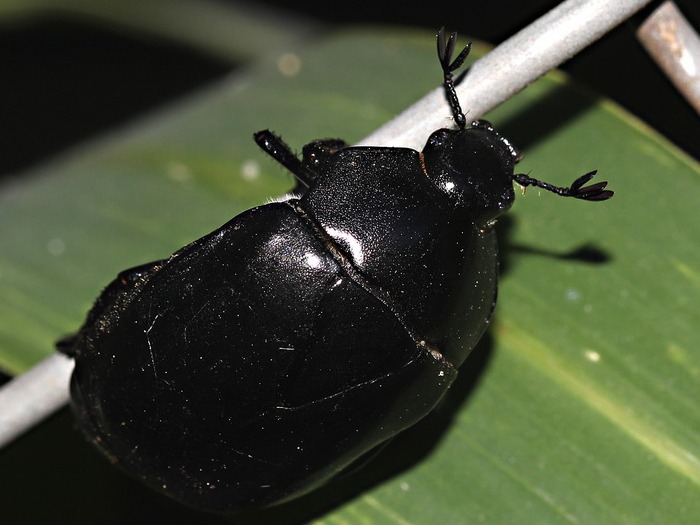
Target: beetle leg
278	150
577	190
445	48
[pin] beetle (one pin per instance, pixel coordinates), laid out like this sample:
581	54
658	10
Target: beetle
258	362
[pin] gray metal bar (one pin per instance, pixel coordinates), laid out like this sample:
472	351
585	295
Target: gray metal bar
33	396
675	46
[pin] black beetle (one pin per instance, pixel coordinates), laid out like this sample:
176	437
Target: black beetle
263	359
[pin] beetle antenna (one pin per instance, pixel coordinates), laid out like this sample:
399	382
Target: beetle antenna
445	48
577	190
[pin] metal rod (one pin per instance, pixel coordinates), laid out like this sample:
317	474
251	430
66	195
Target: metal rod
675	46
33	396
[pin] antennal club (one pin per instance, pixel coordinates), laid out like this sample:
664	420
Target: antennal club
577	190
445	48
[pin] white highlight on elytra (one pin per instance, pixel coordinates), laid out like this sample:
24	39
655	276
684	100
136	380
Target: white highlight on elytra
312	260
350	242
150	346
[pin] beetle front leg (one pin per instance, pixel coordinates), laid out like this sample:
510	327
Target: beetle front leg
278	150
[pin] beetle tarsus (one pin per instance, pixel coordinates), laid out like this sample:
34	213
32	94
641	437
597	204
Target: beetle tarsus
577	190
445	48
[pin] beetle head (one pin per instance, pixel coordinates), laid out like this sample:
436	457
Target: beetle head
474	167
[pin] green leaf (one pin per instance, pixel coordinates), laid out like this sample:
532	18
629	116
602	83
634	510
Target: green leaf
580	406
